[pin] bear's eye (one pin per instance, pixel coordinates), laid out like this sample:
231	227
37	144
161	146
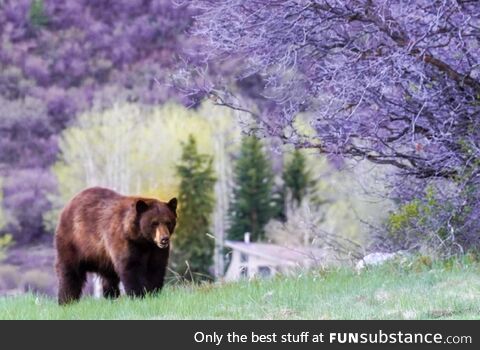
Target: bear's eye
154	223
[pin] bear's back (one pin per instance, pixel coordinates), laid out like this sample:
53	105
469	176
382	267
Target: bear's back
91	205
89	215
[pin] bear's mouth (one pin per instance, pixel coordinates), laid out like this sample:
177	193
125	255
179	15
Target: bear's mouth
161	245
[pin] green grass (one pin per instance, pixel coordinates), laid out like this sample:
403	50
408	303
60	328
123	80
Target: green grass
387	292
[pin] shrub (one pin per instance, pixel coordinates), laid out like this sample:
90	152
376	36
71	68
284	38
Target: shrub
303	227
434	222
37	281
9	277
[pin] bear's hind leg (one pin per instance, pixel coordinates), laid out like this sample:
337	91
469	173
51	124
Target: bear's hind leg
110	286
71	281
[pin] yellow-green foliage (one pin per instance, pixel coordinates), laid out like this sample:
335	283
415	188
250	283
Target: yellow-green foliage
5	241
404	215
132	149
414	212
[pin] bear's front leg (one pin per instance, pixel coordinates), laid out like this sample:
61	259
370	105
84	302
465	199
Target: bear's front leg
156	268
130	265
133	279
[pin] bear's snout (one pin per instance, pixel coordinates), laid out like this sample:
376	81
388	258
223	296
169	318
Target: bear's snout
162	236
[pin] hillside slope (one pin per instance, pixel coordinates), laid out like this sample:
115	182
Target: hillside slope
388	292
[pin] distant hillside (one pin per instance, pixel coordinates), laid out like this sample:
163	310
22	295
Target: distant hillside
58	58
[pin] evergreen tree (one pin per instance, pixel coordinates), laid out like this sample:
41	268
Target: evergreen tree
297	178
252	203
37	13
192	245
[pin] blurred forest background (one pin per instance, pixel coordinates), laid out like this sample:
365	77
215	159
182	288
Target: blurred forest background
131	95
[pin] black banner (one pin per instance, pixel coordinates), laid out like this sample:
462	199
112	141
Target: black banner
248	335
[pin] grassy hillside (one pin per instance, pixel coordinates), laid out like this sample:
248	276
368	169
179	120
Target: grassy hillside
387	292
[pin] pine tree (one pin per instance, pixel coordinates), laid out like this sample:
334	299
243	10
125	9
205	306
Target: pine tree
252	204
37	13
297	178
193	248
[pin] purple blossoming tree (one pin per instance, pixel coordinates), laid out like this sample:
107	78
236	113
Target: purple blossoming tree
394	82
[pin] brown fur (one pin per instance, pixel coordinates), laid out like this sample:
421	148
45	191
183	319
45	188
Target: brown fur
120	238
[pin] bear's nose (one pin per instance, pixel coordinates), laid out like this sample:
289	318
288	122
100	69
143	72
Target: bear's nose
164	241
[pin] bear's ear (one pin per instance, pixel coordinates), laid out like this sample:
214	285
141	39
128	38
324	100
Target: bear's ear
172	204
141	206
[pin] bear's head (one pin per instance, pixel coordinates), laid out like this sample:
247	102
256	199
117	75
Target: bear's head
157	220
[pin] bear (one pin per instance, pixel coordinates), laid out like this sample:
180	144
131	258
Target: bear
121	238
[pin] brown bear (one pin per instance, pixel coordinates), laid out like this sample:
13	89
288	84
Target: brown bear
123	239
